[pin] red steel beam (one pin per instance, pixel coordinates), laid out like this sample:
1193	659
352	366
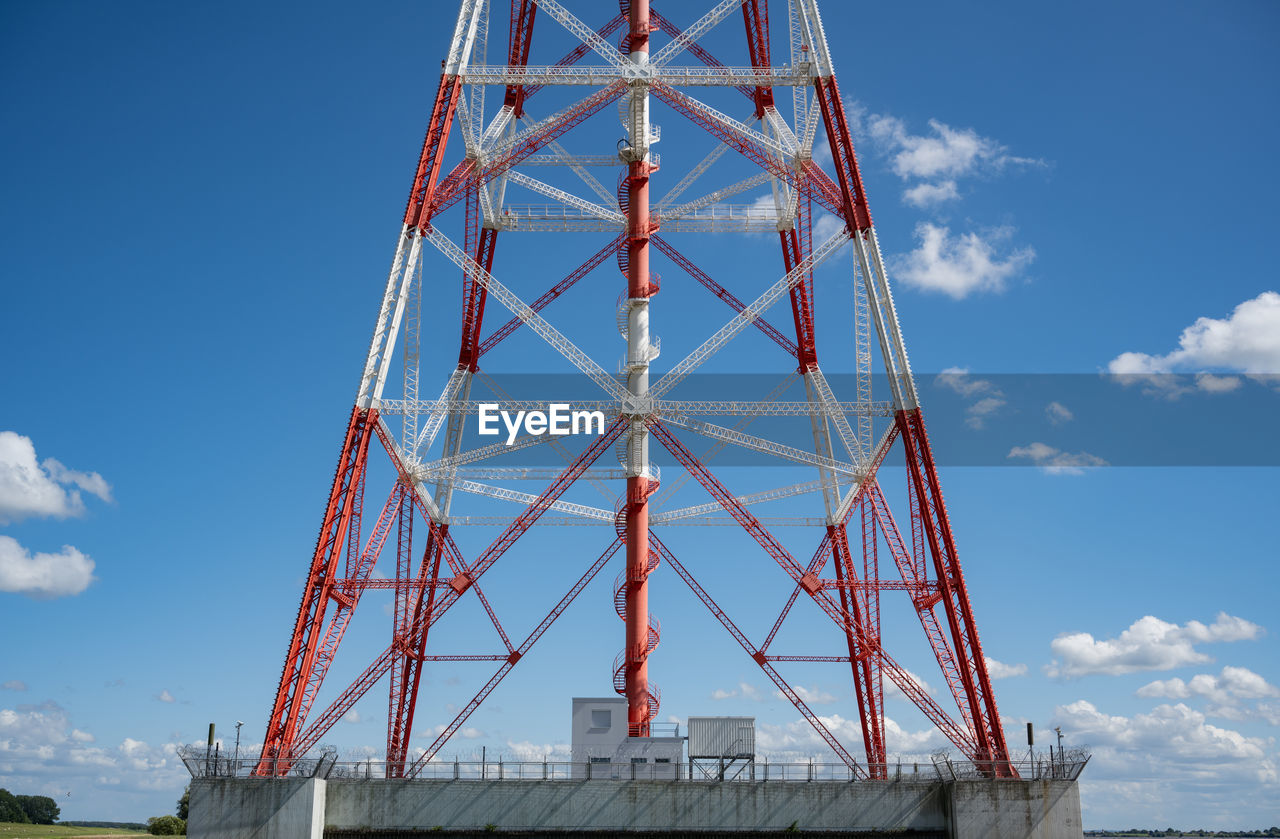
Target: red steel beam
513	659
959	613
760	659
958	734
300	660
723	293
453	187
502	332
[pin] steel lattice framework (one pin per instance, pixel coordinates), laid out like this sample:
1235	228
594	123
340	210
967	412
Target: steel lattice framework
634	60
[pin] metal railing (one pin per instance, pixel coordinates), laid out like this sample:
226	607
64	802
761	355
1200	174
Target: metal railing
1067	766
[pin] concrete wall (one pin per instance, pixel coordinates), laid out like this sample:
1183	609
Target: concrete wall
641	805
223	808
1015	809
253	808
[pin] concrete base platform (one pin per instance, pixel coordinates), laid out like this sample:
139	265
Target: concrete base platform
979	809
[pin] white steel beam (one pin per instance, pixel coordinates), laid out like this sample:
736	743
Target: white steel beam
390	315
579	169
700	27
437	415
522	310
693	175
565	197
579	75
834	414
504	494
744	500
740	321
584	33
577	521
391	407
714	197
760	444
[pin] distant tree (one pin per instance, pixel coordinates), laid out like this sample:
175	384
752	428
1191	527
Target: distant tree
166	826
10	809
184	803
41	809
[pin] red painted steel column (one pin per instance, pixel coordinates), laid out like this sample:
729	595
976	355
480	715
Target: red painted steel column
637	672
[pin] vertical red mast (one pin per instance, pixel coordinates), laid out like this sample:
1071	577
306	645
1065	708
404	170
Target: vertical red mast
639	290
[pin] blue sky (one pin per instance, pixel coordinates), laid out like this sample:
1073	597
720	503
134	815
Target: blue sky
201	203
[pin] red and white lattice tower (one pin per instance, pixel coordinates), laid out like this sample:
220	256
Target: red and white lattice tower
637	58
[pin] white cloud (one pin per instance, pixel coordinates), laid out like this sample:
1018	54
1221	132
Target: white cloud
927	195
43	575
1054	461
1000	670
29	488
41	750
1058	413
1174	731
989	398
948	152
14	684
1247	341
719	694
90	482
961	265
977	413
165	696
1149	644
1229	693
352	716
959	380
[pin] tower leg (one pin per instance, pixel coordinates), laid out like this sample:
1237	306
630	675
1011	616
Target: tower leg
300	660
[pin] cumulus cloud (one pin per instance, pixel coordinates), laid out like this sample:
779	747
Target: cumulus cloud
1231	694
1000	670
40	749
929	195
1170	730
352	716
165	696
1054	461
14	684
746	690
987	398
1149	644
1058	413
1246	341
29	488
43	575
946	151
960	265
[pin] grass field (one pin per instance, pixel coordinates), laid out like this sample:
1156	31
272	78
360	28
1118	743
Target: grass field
8	830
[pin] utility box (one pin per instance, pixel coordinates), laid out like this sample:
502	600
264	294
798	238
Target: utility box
722	737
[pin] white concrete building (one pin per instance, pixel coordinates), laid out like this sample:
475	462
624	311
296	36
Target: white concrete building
600	748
